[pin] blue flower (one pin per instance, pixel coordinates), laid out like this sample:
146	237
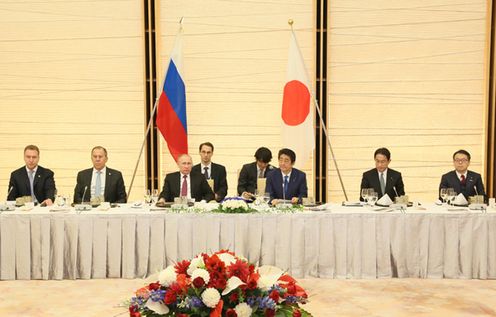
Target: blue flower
157	295
267	303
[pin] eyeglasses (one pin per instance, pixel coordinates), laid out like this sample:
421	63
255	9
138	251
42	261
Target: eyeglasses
460	160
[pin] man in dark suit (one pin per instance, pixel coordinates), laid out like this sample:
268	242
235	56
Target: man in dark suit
286	182
381	178
100	181
186	183
461	179
210	170
251	172
32	179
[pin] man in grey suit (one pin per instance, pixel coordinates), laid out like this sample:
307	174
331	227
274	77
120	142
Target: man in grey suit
185	183
32	180
461	179
100	181
383	179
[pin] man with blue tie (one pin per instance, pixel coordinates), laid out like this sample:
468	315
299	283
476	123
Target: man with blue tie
100	182
32	180
286	182
383	179
462	180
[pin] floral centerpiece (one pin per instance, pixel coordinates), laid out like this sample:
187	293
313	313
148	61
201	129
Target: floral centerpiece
234	205
220	284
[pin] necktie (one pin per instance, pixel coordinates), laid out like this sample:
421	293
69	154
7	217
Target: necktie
261	173
184	187
463	180
383	183
286	185
205	172
31	182
98	184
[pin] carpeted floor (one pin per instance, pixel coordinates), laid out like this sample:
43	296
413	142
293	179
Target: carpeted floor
386	297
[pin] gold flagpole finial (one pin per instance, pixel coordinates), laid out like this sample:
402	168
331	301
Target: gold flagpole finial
290	22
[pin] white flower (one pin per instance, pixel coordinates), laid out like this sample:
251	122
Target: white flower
243	310
158	307
167	276
210	297
201	273
195	263
268	276
227	258
234	204
232	283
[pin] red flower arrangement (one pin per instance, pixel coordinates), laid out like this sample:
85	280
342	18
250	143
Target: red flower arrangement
220	284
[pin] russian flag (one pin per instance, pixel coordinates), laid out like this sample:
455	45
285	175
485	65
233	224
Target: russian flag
171	111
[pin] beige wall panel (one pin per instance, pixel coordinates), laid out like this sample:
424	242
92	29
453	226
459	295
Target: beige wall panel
71	77
235	60
407	76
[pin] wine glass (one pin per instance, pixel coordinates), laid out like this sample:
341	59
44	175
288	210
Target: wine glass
147	196
372	198
451	194
266	197
444	194
365	193
155	194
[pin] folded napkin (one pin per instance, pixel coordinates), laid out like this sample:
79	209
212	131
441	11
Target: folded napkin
385	200
460	200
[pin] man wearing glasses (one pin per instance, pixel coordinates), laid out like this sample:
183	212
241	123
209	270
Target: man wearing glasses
461	179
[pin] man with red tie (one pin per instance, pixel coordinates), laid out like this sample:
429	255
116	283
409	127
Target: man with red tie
185	183
461	179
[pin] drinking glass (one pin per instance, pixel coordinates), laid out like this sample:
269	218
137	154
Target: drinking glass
372	198
444	194
147	196
451	194
266	197
364	193
155	194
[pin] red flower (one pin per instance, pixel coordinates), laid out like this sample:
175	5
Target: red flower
170	297
234	297
217	280
154	286
274	295
214	265
182	267
231	313
296	313
270	313
198	282
133	311
182	315
182	282
252	281
289	283
217	311
239	269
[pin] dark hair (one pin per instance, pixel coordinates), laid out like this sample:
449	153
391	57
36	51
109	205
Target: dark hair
207	144
263	154
33	148
288	152
462	152
384	152
98	147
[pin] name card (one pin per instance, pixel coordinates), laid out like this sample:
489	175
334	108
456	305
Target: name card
211	183
261	185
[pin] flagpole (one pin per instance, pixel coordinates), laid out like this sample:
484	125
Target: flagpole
323	126
150	122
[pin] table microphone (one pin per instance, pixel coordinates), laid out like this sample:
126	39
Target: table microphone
394	188
84	193
10	190
476	192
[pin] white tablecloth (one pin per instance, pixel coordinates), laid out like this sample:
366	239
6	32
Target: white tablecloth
342	242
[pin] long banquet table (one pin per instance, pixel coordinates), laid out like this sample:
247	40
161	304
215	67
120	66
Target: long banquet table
339	242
